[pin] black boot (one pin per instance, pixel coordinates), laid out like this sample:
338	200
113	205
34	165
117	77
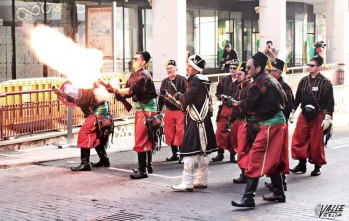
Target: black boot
85	161
271	187
241	179
103	158
284	182
278	191
301	167
316	171
232	158
174	156
220	155
180	161
150	162
142	170
247	199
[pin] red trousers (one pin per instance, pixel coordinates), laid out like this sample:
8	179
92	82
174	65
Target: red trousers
242	158
308	140
142	143
174	127
287	146
226	139
268	153
87	136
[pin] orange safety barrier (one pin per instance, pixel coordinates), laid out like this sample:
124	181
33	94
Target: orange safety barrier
42	116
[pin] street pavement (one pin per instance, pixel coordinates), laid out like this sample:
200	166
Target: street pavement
38	184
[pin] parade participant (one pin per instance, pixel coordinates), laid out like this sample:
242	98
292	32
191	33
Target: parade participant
93	107
141	88
242	145
276	70
226	140
315	95
267	156
174	115
199	139
229	54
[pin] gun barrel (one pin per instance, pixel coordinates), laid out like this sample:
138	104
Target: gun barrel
126	104
164	93
102	83
173	101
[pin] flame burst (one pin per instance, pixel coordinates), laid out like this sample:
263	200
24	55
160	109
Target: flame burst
80	65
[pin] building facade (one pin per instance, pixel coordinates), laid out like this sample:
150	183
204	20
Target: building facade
167	29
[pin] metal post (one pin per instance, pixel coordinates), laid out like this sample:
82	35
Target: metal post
69	132
70	125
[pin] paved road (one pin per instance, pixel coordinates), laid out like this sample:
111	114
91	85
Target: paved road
50	191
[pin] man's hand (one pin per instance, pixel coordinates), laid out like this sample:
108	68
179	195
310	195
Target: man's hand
326	122
119	97
230	102
291	118
224	98
110	89
177	95
70	99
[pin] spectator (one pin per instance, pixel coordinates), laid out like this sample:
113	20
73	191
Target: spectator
228	55
270	51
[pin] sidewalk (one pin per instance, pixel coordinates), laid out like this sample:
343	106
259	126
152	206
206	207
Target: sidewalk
35	155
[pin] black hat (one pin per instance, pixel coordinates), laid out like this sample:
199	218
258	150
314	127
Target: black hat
318	60
242	67
234	62
146	56
260	58
227	45
278	64
170	62
197	62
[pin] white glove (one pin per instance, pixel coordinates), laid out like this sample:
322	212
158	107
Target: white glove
326	122
290	119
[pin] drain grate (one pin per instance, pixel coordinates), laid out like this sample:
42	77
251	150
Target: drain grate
122	216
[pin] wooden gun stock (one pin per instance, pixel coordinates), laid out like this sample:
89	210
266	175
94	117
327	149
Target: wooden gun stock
126	104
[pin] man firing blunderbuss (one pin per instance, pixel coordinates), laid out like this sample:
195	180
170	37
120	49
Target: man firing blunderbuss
141	88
